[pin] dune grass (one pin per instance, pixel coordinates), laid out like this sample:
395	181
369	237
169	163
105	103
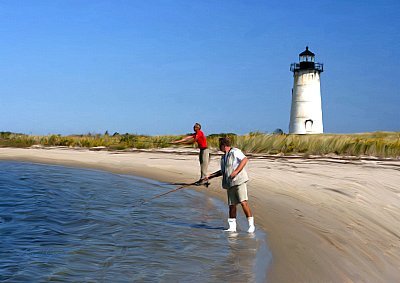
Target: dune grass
377	144
114	142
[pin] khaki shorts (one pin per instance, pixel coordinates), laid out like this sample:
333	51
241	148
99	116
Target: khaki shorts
237	194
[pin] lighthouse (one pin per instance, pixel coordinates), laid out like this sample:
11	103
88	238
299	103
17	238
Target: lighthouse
306	110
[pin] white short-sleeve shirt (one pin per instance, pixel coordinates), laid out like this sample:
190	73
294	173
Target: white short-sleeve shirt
238	157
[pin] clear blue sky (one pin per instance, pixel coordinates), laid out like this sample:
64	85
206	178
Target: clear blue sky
156	67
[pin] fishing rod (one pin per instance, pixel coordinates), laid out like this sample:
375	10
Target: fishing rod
171	191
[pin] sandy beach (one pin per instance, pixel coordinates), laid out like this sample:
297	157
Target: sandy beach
326	219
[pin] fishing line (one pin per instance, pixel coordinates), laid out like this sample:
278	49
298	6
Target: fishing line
141	202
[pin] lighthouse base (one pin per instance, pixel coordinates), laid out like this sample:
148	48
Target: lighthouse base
305	126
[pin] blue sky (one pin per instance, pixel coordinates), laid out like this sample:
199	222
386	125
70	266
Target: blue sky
157	67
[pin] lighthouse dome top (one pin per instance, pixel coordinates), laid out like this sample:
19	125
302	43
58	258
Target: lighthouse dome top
306	56
306	52
307	62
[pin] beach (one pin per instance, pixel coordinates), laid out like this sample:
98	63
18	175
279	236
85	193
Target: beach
326	219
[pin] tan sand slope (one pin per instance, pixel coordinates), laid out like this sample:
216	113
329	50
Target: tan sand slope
326	220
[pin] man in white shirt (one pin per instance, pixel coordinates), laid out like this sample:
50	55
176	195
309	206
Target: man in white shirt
234	178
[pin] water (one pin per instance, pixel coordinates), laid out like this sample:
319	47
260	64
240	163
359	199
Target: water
68	224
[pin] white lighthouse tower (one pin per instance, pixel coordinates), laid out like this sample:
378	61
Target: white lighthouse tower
306	111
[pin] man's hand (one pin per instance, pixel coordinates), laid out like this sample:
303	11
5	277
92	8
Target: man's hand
239	168
233	175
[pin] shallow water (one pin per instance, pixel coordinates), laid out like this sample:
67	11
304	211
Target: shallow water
68	224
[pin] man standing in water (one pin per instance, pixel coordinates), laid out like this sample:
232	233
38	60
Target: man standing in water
234	178
204	155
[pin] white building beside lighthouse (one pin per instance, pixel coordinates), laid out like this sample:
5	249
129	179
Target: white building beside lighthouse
306	110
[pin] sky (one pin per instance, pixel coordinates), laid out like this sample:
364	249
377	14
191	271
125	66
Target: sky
156	67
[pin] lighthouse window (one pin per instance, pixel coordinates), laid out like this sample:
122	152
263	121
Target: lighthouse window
307	58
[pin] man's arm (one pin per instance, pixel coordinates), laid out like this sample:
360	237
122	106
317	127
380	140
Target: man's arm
188	139
239	168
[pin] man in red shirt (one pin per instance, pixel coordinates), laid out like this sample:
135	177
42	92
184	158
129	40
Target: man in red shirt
204	155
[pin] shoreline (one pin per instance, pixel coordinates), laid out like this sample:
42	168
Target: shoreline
325	220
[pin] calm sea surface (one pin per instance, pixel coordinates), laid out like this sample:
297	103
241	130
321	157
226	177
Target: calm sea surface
68	224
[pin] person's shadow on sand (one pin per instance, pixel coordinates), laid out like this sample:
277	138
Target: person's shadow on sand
195	225
182	184
191	184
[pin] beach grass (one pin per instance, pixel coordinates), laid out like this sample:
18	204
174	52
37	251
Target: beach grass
114	142
376	144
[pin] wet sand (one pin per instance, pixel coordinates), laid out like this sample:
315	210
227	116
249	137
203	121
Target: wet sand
327	220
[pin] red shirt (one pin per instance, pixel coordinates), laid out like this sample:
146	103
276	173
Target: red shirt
200	138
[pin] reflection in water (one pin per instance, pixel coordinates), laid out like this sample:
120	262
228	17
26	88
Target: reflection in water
67	224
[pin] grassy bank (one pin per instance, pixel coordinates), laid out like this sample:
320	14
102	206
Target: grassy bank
114	142
377	144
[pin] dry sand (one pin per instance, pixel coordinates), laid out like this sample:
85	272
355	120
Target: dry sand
326	220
